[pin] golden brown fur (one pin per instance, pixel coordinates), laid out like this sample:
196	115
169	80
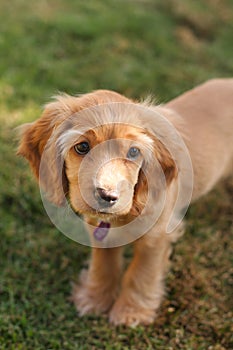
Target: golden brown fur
203	117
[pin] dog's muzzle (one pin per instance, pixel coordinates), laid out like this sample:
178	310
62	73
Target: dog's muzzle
106	198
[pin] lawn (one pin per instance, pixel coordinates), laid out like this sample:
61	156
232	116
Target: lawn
138	48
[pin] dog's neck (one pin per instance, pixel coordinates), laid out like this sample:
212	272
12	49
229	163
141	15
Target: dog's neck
103	225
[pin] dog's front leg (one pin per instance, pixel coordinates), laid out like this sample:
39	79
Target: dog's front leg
99	285
142	287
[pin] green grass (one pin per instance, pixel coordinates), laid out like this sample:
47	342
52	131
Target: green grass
137	48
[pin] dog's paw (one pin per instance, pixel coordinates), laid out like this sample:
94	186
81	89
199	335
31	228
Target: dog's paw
90	298
130	315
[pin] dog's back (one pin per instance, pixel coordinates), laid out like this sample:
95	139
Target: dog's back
208	114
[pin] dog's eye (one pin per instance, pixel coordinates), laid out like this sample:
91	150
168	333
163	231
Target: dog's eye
82	148
133	152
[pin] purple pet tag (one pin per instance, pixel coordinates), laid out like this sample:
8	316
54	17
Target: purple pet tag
101	231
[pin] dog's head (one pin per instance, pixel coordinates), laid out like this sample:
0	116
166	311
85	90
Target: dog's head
96	150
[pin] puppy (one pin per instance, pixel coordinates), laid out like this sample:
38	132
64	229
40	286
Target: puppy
129	170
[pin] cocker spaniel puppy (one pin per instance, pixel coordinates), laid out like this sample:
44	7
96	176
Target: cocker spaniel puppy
129	170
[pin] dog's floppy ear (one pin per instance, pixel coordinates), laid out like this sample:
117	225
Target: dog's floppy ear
166	140
140	194
166	161
35	138
150	170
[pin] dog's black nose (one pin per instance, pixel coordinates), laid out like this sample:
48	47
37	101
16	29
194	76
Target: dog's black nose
106	197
